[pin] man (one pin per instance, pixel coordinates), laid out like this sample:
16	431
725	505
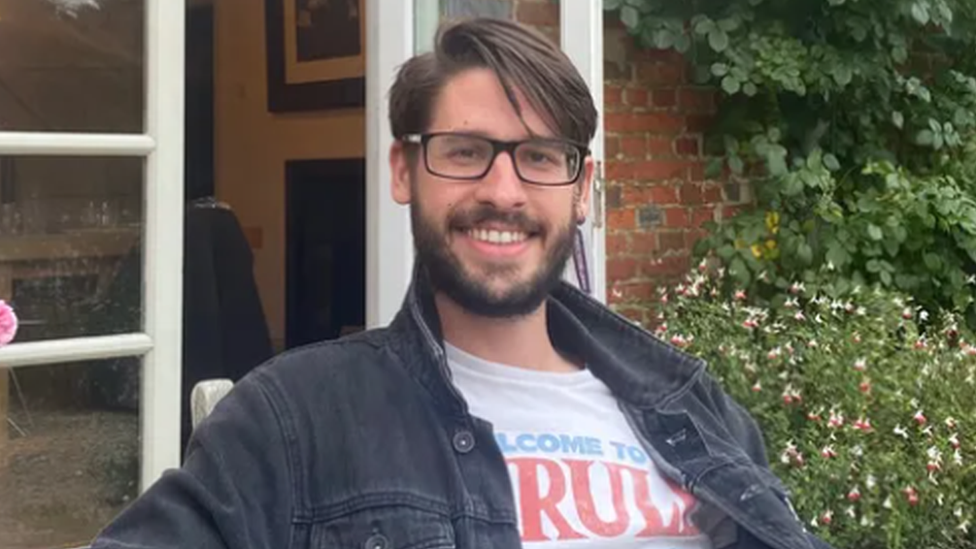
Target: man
502	408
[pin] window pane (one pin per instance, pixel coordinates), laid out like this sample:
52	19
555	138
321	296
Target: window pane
78	65
69	454
541	14
71	245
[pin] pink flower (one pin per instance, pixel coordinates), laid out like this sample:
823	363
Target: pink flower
8	323
920	418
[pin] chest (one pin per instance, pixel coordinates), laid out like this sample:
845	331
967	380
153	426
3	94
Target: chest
578	471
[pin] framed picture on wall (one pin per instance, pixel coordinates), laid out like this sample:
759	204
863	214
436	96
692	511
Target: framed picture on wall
316	54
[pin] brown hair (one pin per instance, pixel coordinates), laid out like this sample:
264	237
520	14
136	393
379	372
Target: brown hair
521	57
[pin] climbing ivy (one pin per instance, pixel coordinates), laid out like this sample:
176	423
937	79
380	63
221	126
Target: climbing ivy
855	123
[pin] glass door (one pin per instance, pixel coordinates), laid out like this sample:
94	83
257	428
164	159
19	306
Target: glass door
408	27
91	207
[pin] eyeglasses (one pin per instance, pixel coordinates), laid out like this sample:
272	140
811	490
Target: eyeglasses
544	161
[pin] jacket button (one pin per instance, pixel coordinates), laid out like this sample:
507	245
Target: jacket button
463	442
377	541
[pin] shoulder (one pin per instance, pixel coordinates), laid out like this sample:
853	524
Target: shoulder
317	367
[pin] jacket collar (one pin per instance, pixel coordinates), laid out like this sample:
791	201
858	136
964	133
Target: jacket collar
638	367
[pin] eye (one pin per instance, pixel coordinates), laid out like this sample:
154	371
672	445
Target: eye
464	153
540	155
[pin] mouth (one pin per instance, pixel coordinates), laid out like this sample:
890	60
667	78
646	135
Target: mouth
495	242
495	236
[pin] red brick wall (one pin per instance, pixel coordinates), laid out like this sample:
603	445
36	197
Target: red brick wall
657	193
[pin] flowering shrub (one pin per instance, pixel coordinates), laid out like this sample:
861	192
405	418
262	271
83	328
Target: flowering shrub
8	323
866	404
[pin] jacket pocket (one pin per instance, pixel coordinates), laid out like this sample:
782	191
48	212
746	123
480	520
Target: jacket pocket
387	527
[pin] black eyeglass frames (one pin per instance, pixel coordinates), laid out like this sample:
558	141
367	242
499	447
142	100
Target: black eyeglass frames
464	156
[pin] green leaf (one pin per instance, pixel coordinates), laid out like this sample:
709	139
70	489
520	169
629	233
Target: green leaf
718	39
933	262
663	39
804	253
630	17
830	162
837	255
792	185
720	69
704	26
729	24
898	119
739	271
610	5
726	252
776	160
886	278
731	85
750	89
682	43
920	12
713	169
837	2
736	164
842	74
926	138
875	232
899	54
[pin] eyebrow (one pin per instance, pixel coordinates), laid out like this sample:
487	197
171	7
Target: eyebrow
487	135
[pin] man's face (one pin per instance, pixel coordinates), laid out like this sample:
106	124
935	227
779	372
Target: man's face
496	245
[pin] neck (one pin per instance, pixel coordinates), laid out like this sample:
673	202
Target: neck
522	342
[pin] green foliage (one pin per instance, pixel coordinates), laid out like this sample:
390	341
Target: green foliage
867	421
855	123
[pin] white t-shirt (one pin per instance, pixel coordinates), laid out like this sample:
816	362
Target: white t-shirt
579	475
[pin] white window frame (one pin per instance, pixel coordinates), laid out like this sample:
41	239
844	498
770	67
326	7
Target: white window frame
161	145
389	245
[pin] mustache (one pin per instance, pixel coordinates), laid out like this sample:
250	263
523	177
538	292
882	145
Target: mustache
467	219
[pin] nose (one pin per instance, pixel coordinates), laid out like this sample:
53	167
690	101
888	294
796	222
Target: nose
501	186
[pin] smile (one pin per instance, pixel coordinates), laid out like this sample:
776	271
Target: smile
493	236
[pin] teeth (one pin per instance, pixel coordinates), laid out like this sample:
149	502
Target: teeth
497	237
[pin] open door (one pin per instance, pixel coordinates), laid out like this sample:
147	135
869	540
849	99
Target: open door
91	243
397	31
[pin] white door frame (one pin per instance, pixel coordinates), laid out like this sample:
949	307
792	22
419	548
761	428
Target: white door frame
390	41
159	344
581	37
389	244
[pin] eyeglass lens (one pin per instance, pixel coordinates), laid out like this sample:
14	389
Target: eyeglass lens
464	156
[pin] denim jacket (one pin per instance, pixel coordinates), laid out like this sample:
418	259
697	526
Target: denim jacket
365	442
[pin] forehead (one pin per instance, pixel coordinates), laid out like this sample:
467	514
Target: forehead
475	101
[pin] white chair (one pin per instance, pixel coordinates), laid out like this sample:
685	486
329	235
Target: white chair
205	396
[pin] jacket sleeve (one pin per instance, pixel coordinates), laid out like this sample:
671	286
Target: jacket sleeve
233	491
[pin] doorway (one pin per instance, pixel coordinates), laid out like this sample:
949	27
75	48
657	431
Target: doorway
325	242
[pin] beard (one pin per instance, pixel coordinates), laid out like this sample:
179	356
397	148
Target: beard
448	275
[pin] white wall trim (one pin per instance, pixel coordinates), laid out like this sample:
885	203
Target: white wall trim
163	249
389	245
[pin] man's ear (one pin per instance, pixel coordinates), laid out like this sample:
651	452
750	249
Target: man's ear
400	173
585	190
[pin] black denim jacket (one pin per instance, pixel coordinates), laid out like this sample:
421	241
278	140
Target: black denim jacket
365	442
